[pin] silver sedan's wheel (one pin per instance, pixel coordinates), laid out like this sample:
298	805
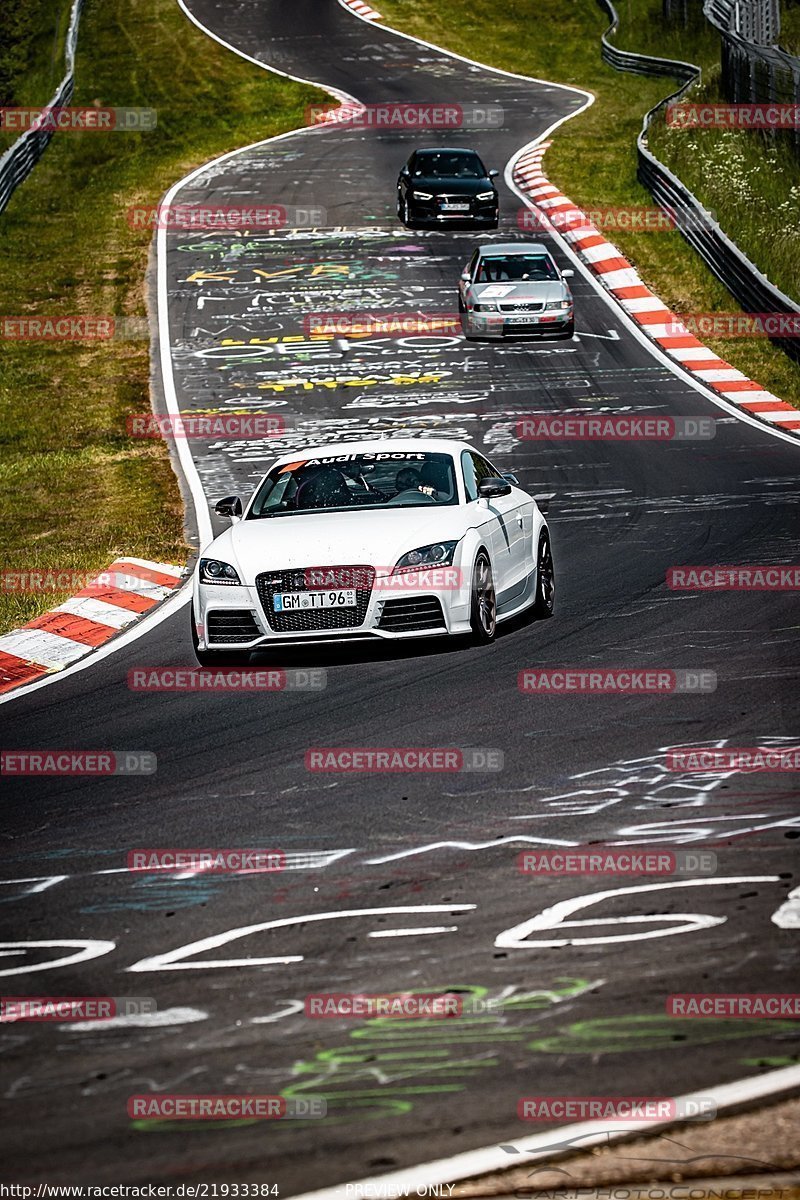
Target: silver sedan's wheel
483	616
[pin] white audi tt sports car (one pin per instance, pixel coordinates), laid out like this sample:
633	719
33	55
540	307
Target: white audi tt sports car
390	538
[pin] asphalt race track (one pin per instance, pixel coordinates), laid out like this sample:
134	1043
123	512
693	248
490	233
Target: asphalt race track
427	857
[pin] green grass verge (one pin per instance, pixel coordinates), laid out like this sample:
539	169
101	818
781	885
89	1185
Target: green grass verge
76	491
593	156
32	52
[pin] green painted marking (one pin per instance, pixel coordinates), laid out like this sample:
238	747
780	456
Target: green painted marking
616	1035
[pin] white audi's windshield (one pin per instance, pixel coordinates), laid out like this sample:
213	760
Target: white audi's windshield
342	482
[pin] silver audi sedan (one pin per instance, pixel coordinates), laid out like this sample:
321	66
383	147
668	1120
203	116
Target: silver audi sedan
515	288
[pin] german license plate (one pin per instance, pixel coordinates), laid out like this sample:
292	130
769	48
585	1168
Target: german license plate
455	208
526	320
291	601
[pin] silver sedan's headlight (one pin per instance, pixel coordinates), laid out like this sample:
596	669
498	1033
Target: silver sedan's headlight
551	304
438	554
214	571
479	307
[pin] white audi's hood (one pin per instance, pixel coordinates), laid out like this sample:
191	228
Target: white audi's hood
376	537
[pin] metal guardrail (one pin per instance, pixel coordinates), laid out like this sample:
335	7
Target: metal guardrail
756	21
754	69
639	64
736	272
20	158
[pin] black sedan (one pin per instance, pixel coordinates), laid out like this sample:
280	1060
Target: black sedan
447	186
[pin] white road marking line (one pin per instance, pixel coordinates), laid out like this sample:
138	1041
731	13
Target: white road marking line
788	915
156	1020
85	950
509	841
388	933
174	960
517	938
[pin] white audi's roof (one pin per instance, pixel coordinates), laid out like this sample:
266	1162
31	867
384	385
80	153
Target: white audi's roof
377	445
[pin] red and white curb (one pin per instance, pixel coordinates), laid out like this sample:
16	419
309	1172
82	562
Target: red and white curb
362	10
110	602
643	306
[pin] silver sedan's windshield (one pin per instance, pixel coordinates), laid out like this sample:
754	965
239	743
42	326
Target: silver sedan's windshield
516	267
342	482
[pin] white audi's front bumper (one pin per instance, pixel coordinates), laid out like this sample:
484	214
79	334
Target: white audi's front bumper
383	618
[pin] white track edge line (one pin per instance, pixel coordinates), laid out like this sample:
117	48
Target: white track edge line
494	1158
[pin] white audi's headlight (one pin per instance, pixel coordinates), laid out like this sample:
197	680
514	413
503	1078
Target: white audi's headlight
485	196
438	554
423	196
214	571
551	304
485	307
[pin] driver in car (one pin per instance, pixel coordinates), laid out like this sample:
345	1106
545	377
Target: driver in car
326	488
